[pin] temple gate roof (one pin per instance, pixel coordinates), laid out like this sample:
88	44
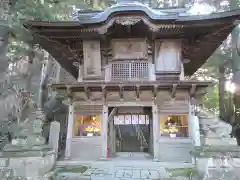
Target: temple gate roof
201	35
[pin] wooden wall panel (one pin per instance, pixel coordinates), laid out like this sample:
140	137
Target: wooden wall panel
92	58
130	49
167	55
174	107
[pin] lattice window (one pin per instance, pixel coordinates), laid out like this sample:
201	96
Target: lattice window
139	71
130	71
120	71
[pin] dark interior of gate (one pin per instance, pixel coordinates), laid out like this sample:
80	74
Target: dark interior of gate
130	132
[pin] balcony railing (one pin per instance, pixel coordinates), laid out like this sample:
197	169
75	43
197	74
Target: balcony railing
129	71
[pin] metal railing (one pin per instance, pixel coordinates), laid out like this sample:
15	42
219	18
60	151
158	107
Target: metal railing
140	135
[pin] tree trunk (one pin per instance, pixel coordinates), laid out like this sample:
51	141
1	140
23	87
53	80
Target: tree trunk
236	78
30	73
4	29
46	69
221	92
236	101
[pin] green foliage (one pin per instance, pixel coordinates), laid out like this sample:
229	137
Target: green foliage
184	172
211	99
80	169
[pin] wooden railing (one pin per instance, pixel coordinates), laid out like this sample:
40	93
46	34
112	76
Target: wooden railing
129	71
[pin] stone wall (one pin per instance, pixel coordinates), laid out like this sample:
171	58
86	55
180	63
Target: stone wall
174	150
31	164
86	148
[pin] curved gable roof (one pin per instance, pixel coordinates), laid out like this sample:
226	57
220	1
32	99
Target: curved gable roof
217	27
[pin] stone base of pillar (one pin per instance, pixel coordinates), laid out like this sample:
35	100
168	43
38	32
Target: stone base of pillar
104	159
67	158
193	161
156	160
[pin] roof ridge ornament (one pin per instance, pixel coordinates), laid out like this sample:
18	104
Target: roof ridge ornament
126	1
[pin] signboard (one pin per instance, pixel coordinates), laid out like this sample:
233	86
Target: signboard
128	119
131	119
141	119
147	119
119	120
134	119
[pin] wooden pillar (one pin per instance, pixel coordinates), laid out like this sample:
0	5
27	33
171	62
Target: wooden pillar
189	119
182	77
104	133
156	128
111	140
80	70
69	129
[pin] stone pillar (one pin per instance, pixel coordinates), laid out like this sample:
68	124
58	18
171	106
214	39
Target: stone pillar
104	132
54	136
156	128
69	129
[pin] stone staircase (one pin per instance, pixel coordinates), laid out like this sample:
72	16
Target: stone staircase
130	141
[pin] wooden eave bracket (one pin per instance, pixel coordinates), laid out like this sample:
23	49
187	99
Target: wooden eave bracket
86	93
155	92
174	90
193	90
69	92
104	93
121	89
137	90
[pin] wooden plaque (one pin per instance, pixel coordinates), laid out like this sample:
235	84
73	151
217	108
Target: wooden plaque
129	49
